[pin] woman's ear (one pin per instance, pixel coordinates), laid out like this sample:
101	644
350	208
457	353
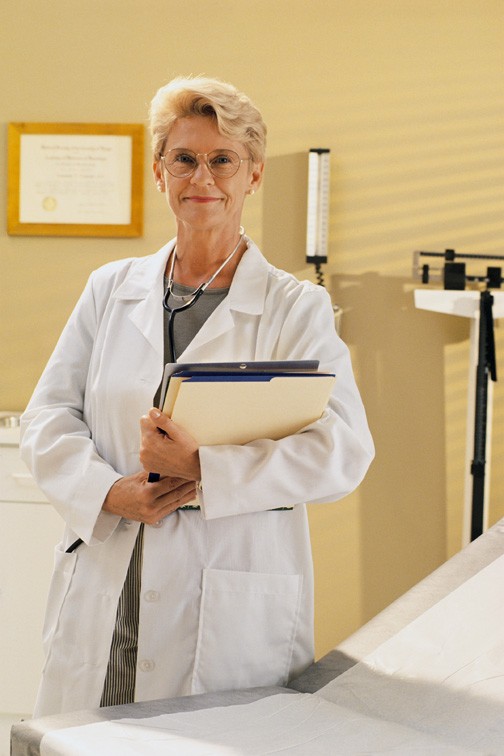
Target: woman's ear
158	175
256	176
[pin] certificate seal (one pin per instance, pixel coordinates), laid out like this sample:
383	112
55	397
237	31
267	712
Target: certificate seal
49	204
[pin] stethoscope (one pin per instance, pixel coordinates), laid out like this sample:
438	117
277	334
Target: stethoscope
193	298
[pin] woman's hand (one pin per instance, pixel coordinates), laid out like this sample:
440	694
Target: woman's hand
171	452
134	498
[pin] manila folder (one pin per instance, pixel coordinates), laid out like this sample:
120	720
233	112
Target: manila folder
239	411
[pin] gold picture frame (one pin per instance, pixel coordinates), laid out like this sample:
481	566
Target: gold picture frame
75	179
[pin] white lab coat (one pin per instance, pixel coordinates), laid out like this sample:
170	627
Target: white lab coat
227	595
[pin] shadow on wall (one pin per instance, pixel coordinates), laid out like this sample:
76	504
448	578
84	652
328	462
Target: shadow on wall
398	357
284	208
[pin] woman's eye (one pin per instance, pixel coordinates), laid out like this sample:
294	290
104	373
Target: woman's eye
185	159
221	160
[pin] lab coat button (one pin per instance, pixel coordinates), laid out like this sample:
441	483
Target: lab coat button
151	595
146	665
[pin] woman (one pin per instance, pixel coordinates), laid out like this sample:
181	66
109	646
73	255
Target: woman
150	599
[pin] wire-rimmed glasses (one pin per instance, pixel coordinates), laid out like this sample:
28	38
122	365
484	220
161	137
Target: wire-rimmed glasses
221	163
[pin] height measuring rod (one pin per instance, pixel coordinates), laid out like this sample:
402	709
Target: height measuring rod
317	231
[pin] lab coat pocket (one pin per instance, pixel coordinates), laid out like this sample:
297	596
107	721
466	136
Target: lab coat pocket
64	566
246	632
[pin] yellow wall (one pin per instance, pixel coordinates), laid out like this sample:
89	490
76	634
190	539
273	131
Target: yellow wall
409	97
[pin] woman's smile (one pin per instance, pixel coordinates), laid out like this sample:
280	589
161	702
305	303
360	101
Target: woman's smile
202	198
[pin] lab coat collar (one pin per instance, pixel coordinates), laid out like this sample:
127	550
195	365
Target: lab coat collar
144	275
145	283
247	290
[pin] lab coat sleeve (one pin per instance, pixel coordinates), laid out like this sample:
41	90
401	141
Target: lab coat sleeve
56	442
321	463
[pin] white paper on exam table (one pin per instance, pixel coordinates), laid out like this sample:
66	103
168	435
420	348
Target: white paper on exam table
444	672
298	725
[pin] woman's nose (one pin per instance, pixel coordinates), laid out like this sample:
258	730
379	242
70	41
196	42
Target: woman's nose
202	173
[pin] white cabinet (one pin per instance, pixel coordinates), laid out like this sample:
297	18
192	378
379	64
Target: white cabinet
29	530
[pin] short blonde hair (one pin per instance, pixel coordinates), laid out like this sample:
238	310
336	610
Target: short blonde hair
234	113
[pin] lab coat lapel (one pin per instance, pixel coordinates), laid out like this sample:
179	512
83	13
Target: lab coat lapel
246	295
144	284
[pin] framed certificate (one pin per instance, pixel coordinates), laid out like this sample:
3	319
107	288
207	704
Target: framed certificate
75	179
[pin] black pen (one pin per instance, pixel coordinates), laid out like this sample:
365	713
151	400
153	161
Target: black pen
75	545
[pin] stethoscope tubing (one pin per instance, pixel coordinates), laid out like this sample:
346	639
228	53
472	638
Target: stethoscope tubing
172	311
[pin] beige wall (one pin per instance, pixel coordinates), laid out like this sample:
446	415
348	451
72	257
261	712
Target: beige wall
409	97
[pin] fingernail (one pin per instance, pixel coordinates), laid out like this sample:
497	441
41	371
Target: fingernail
155	413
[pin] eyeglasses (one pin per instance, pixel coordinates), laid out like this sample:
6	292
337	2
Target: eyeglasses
221	163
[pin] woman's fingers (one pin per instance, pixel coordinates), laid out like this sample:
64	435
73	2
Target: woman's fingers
134	498
168	449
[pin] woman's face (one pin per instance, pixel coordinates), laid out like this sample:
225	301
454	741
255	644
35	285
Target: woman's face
202	201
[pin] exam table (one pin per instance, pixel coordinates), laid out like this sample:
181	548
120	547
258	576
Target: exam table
26	736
